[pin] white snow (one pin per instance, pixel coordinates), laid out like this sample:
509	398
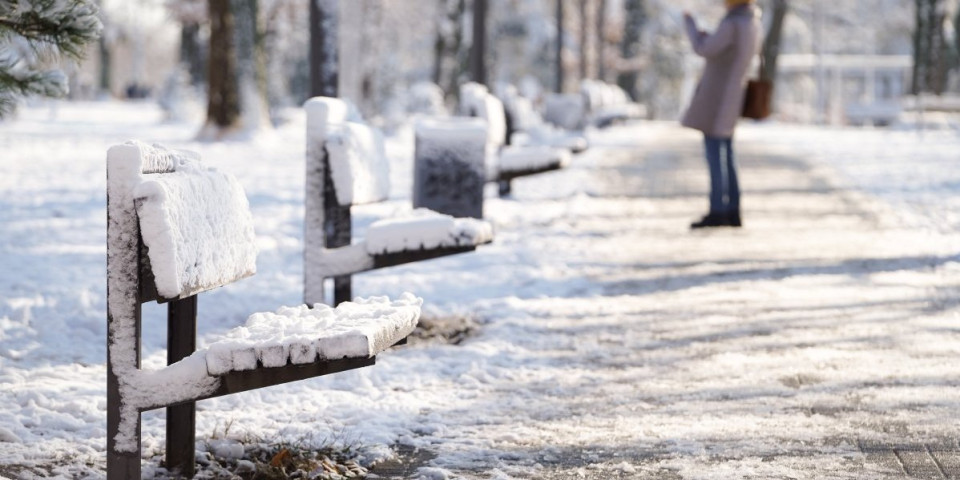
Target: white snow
358	163
197	227
565	110
452	129
299	335
547	135
423	229
530	158
600	324
476	100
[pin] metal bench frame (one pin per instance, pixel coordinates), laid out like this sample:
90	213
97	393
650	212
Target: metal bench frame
125	296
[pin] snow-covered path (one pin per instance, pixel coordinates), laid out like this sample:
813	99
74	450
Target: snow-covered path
607	340
806	345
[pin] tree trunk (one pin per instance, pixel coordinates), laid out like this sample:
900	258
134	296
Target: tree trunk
449	62
324	58
440	42
191	53
559	48
930	56
602	40
636	16
104	81
584	35
478	49
105	66
771	43
223	107
249	45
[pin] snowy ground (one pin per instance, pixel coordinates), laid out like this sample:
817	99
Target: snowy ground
609	341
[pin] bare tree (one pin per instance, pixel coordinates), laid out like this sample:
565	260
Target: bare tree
450	58
223	99
559	84
930	51
772	40
478	48
636	16
601	40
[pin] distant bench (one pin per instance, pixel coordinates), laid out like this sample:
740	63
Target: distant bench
175	229
506	162
347	166
597	104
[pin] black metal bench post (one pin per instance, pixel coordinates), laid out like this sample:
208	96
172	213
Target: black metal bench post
122	464
181	419
337	229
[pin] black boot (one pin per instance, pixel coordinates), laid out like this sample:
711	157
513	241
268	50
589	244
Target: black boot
718	220
734	219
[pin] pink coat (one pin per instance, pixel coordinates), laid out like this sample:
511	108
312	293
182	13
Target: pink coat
718	101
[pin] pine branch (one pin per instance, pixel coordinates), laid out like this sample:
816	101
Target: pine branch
51	26
34	33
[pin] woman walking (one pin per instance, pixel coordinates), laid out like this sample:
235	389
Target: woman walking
718	102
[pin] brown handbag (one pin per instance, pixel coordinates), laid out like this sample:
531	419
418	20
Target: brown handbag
757	99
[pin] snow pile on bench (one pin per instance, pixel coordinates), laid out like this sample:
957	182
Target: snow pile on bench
424	229
477	101
609	103
197	227
548	135
358	164
301	335
518	159
426	98
565	110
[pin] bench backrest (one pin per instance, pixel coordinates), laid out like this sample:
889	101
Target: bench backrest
353	151
194	221
477	101
600	94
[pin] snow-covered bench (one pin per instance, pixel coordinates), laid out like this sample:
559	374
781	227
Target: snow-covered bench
526	127
608	104
507	162
598	104
346	166
176	229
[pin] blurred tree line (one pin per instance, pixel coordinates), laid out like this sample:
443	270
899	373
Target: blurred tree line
34	37
249	57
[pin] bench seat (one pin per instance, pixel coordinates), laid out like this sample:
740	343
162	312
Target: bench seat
419	235
424	229
301	335
518	161
546	135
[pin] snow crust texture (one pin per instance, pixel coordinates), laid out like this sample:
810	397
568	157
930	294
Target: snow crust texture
532	157
358	164
476	100
300	335
426	229
197	226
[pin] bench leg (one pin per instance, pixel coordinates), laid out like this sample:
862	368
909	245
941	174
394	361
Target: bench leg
181	439
342	290
504	187
181	419
120	465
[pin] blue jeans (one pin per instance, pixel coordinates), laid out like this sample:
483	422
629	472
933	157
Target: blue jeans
724	187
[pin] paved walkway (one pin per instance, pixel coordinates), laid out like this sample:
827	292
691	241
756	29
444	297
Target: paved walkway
820	341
